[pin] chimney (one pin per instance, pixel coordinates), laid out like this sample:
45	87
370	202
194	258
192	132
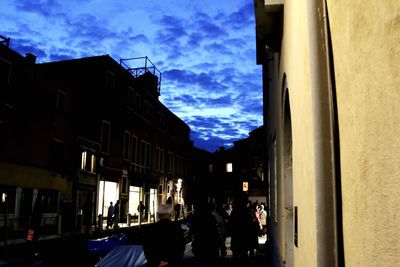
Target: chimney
30	59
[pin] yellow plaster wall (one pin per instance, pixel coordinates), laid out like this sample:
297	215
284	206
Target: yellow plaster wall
366	48
296	65
31	177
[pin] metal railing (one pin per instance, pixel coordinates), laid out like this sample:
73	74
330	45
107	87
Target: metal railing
140	65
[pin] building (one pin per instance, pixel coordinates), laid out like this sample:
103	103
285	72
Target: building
330	75
239	168
89	131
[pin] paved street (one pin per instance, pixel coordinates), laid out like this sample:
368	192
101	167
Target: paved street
259	260
72	251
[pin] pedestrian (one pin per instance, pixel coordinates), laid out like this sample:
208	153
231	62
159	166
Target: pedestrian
177	211
141	209
207	241
263	219
255	229
163	241
116	214
216	212
241	228
110	214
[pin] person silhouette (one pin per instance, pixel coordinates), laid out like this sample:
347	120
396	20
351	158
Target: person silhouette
163	241
110	214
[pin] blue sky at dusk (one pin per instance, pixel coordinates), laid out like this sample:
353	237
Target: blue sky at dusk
204	49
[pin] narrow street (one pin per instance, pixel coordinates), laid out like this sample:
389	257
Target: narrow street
72	251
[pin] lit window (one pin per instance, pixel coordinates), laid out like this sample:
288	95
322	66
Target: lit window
83	160
93	164
210	168
229	167
245	186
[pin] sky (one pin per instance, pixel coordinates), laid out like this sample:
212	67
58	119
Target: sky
205	50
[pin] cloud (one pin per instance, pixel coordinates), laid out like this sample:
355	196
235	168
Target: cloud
45	8
241	18
24	46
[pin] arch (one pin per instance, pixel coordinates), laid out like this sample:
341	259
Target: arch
288	176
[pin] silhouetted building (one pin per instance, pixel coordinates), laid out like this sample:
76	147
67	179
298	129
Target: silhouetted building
239	168
85	132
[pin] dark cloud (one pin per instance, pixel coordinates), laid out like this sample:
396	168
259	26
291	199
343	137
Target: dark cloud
205	25
87	26
241	18
46	8
189	78
172	29
139	38
24	46
223	101
219	48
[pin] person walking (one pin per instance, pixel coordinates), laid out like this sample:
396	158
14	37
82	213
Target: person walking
116	214
163	241
141	210
110	214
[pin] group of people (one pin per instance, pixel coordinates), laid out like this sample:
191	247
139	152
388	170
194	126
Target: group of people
211	224
113	215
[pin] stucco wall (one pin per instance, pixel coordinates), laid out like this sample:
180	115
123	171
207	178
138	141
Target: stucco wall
366	49
294	65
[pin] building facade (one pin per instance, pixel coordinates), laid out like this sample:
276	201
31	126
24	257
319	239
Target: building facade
330	75
97	133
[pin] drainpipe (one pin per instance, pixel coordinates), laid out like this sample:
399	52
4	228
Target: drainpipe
328	235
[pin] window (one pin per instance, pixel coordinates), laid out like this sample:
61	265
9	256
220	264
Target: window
92	163
159	159
138	101
57	154
5	72
171	163
125	149
130	97
210	168
146	155
133	149
83	160
110	80
134	196
105	136
229	167
61	104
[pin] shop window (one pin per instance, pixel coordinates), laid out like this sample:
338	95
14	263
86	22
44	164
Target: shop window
108	192
134	197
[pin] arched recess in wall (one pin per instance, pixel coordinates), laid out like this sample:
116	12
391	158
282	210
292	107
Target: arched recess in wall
288	176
